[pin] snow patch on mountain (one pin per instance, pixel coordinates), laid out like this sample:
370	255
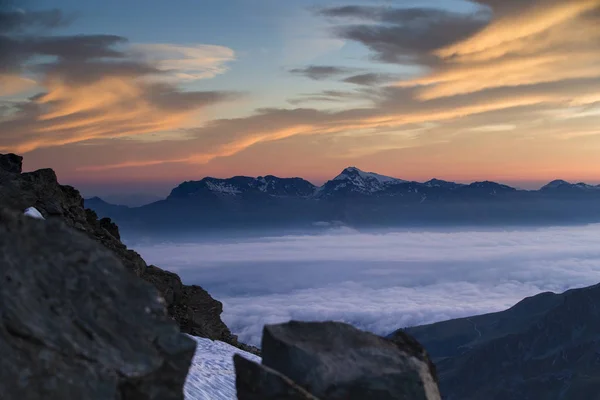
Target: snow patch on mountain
222	187
33	213
212	374
442	184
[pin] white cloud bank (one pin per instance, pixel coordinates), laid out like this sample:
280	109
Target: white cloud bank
381	282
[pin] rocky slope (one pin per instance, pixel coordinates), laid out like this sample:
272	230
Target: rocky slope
547	347
196	312
74	324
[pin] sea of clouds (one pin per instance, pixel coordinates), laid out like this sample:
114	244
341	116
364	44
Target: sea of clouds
380	281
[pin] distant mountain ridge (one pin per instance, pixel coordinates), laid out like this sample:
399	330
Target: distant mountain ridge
269	185
350	181
546	347
356	198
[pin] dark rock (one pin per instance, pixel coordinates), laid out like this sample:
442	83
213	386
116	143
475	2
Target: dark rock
110	227
193	308
257	382
74	324
11	163
412	347
334	361
167	283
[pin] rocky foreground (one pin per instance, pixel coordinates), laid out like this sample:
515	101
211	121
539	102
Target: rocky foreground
194	310
82	316
76	325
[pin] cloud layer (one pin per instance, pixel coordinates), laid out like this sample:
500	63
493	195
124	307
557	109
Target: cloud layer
381	282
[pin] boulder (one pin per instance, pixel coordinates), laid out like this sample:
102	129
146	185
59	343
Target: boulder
332	361
75	324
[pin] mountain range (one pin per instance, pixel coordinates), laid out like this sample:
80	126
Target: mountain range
354	198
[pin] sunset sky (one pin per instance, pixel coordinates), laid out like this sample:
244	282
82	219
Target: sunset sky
139	95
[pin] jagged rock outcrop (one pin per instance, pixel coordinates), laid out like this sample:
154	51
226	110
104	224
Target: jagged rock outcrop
11	163
335	361
74	324
193	308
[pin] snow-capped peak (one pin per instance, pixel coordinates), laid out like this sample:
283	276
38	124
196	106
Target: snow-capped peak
353	172
354	180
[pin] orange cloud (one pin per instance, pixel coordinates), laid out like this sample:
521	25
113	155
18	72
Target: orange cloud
109	108
550	41
13	84
518	26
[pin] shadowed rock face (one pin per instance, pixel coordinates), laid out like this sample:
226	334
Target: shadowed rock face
196	312
258	382
11	163
335	361
74	324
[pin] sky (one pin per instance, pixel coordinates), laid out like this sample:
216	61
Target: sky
380	282
139	95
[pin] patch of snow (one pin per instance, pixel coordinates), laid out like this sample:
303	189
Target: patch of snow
441	183
222	187
33	213
212	375
262	184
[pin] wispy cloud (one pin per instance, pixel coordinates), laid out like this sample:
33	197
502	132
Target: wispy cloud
95	86
404	35
320	72
534	45
187	62
369	79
